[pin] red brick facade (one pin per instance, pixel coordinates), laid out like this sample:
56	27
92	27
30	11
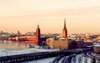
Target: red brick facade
38	34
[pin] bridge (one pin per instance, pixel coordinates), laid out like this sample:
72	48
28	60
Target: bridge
40	55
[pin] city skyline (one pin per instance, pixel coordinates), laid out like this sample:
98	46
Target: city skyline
81	16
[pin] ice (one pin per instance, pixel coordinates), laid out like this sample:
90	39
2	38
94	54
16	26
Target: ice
6	52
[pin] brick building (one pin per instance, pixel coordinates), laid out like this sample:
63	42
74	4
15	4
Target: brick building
34	40
61	43
88	43
78	43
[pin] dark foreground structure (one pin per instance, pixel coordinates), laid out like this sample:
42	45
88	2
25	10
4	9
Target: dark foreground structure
40	55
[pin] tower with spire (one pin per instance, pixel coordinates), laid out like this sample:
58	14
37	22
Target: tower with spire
18	32
64	30
38	33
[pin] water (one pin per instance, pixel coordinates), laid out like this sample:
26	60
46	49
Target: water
17	48
12	45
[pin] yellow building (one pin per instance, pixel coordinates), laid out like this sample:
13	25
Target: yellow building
97	48
61	44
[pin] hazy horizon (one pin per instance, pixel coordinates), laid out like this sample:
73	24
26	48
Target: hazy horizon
82	16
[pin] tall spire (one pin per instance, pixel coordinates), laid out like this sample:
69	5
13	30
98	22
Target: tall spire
38	26
65	30
64	24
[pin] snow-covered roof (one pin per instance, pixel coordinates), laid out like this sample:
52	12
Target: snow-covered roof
42	36
78	40
97	44
88	41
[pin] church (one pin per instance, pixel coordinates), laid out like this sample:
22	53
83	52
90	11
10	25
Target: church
61	43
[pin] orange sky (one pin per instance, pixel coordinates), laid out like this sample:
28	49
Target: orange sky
82	16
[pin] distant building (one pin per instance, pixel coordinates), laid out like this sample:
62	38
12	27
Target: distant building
1	32
61	43
87	37
97	48
78	43
88	43
18	33
64	30
34	40
38	35
31	34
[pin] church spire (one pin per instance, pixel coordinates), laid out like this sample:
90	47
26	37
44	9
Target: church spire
65	30
64	24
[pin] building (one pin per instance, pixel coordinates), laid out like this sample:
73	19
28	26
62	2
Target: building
78	43
88	43
38	35
64	30
97	48
18	33
61	43
34	40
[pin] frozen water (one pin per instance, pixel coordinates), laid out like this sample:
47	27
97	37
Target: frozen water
6	52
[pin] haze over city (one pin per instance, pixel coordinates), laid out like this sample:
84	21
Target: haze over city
82	16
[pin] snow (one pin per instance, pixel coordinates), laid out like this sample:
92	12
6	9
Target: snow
89	41
78	40
73	60
6	52
61	60
97	44
46	60
78	59
89	60
84	60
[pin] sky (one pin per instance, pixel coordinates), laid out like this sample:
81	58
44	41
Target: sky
82	16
